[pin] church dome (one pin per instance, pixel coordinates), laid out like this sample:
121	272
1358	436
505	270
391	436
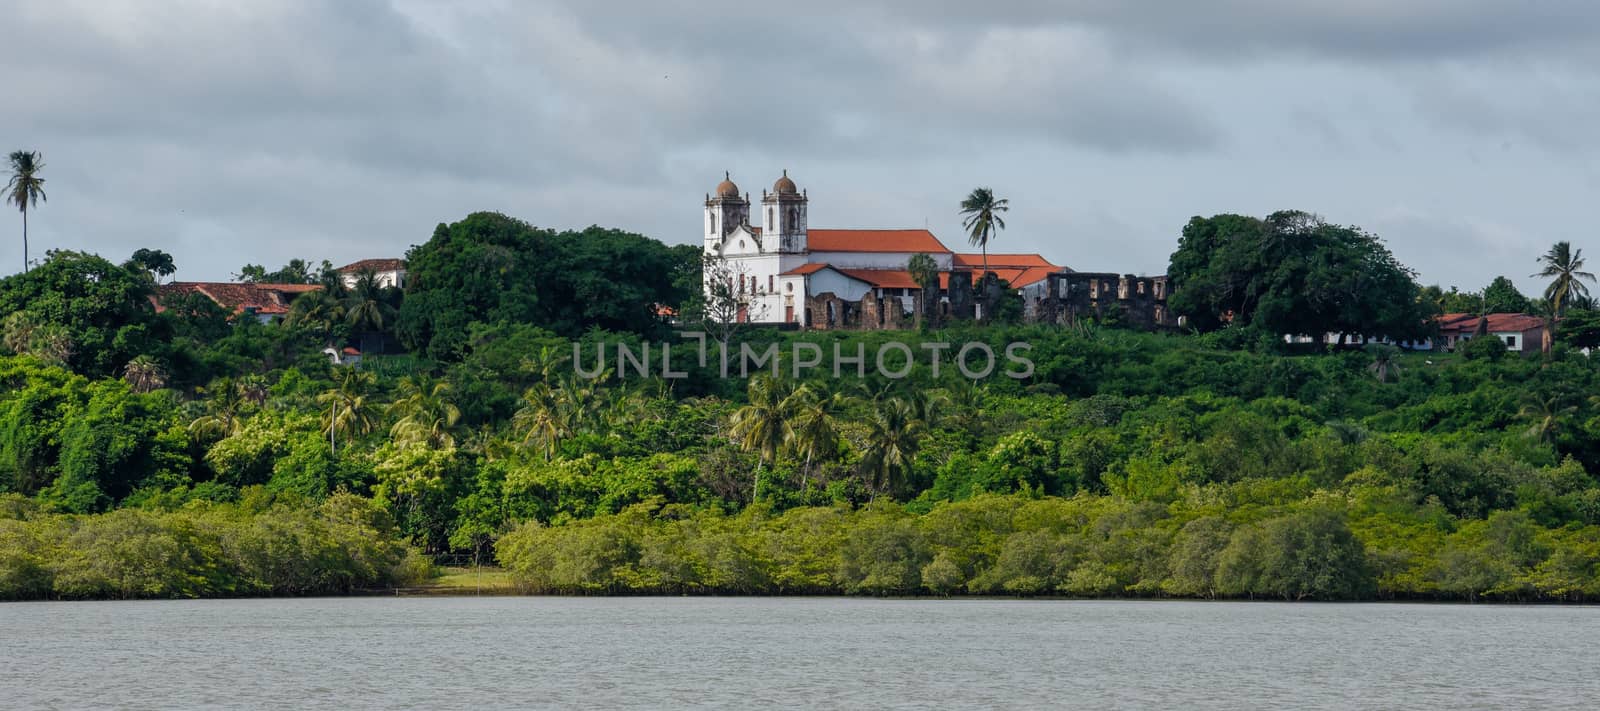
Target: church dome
726	188
785	186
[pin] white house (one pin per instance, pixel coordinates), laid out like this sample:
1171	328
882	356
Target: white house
776	262
390	272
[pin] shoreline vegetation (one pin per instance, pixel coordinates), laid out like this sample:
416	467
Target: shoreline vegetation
195	452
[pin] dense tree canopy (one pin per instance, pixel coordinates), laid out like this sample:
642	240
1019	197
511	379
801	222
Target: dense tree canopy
192	452
1292	273
81	310
491	268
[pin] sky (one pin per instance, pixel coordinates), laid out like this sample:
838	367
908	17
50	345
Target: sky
1465	133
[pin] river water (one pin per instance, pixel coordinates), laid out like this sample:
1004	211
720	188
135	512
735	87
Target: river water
740	653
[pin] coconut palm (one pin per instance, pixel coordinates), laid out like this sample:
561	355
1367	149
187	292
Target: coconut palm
1545	414
224	408
763	425
144	374
893	440
365	307
25	190
424	413
350	407
1385	360
814	431
541	420
317	312
982	219
1563	265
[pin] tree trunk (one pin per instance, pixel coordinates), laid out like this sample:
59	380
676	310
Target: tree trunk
755	489
805	478
24	239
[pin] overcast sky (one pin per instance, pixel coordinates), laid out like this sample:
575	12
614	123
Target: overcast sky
1464	132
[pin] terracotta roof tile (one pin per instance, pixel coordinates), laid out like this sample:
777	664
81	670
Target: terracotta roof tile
975	261
883	278
805	269
909	241
377	265
1498	323
261	298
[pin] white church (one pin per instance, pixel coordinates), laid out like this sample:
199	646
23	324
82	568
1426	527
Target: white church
777	262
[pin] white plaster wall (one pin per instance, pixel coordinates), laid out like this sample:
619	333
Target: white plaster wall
842	286
385	278
876	260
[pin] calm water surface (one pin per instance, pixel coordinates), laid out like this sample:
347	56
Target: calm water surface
422	653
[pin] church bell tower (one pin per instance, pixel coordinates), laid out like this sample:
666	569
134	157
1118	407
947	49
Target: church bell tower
725	212
783	218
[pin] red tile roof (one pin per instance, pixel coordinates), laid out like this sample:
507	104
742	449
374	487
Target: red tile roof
909	241
883	278
377	265
1019	261
804	269
260	298
1498	323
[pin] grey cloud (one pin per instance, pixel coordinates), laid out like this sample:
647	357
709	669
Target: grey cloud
263	131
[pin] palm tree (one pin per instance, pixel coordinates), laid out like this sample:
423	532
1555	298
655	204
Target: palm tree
366	308
814	432
317	313
541	419
1563	265
144	374
1385	360
350	410
25	189
224	410
892	443
925	272
424	413
545	363
763	425
1546	414
982	211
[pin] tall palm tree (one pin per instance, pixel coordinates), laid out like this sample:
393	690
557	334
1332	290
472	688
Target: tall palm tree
814	432
893	440
763	425
541	419
1563	265
25	190
982	219
144	374
350	409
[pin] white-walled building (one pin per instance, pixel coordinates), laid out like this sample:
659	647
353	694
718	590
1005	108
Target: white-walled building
390	272
775	262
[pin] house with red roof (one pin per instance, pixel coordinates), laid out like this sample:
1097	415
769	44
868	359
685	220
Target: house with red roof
389	272
264	302
777	266
1522	333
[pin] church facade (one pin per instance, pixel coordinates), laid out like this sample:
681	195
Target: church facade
782	271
